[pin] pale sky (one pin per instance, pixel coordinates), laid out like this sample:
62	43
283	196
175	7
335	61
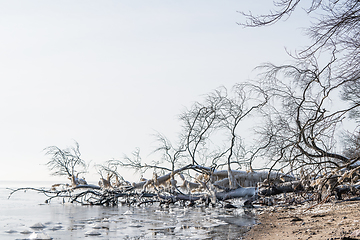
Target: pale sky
108	74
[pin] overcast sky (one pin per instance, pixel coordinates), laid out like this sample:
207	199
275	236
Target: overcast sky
108	74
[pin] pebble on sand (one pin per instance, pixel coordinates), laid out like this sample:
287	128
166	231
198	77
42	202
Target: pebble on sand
356	233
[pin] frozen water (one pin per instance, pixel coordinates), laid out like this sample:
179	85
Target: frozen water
39	236
69	221
38	226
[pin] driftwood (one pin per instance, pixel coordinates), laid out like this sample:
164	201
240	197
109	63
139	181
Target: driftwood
237	193
210	186
285	187
249	179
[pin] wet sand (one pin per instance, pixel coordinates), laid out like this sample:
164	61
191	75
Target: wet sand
335	220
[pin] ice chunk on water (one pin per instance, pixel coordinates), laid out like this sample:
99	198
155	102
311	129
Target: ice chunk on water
38	225
96	226
92	233
39	236
128	212
55	228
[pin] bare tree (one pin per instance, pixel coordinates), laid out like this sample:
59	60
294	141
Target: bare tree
198	124
302	123
315	96
219	117
136	163
334	33
108	171
351	142
66	162
169	154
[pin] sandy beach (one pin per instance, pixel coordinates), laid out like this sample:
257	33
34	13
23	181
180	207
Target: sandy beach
334	220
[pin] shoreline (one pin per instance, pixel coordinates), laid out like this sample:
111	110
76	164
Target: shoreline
333	220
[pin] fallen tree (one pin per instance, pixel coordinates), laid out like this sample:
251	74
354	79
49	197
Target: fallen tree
168	188
210	186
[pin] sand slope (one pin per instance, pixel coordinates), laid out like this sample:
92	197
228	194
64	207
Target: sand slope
326	221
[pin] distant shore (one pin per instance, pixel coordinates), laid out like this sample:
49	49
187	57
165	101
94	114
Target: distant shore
334	220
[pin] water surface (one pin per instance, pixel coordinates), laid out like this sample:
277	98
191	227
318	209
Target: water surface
71	221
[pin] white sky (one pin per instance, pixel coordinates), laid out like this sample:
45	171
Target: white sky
108	74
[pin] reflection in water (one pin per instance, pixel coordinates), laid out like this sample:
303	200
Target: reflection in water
68	221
